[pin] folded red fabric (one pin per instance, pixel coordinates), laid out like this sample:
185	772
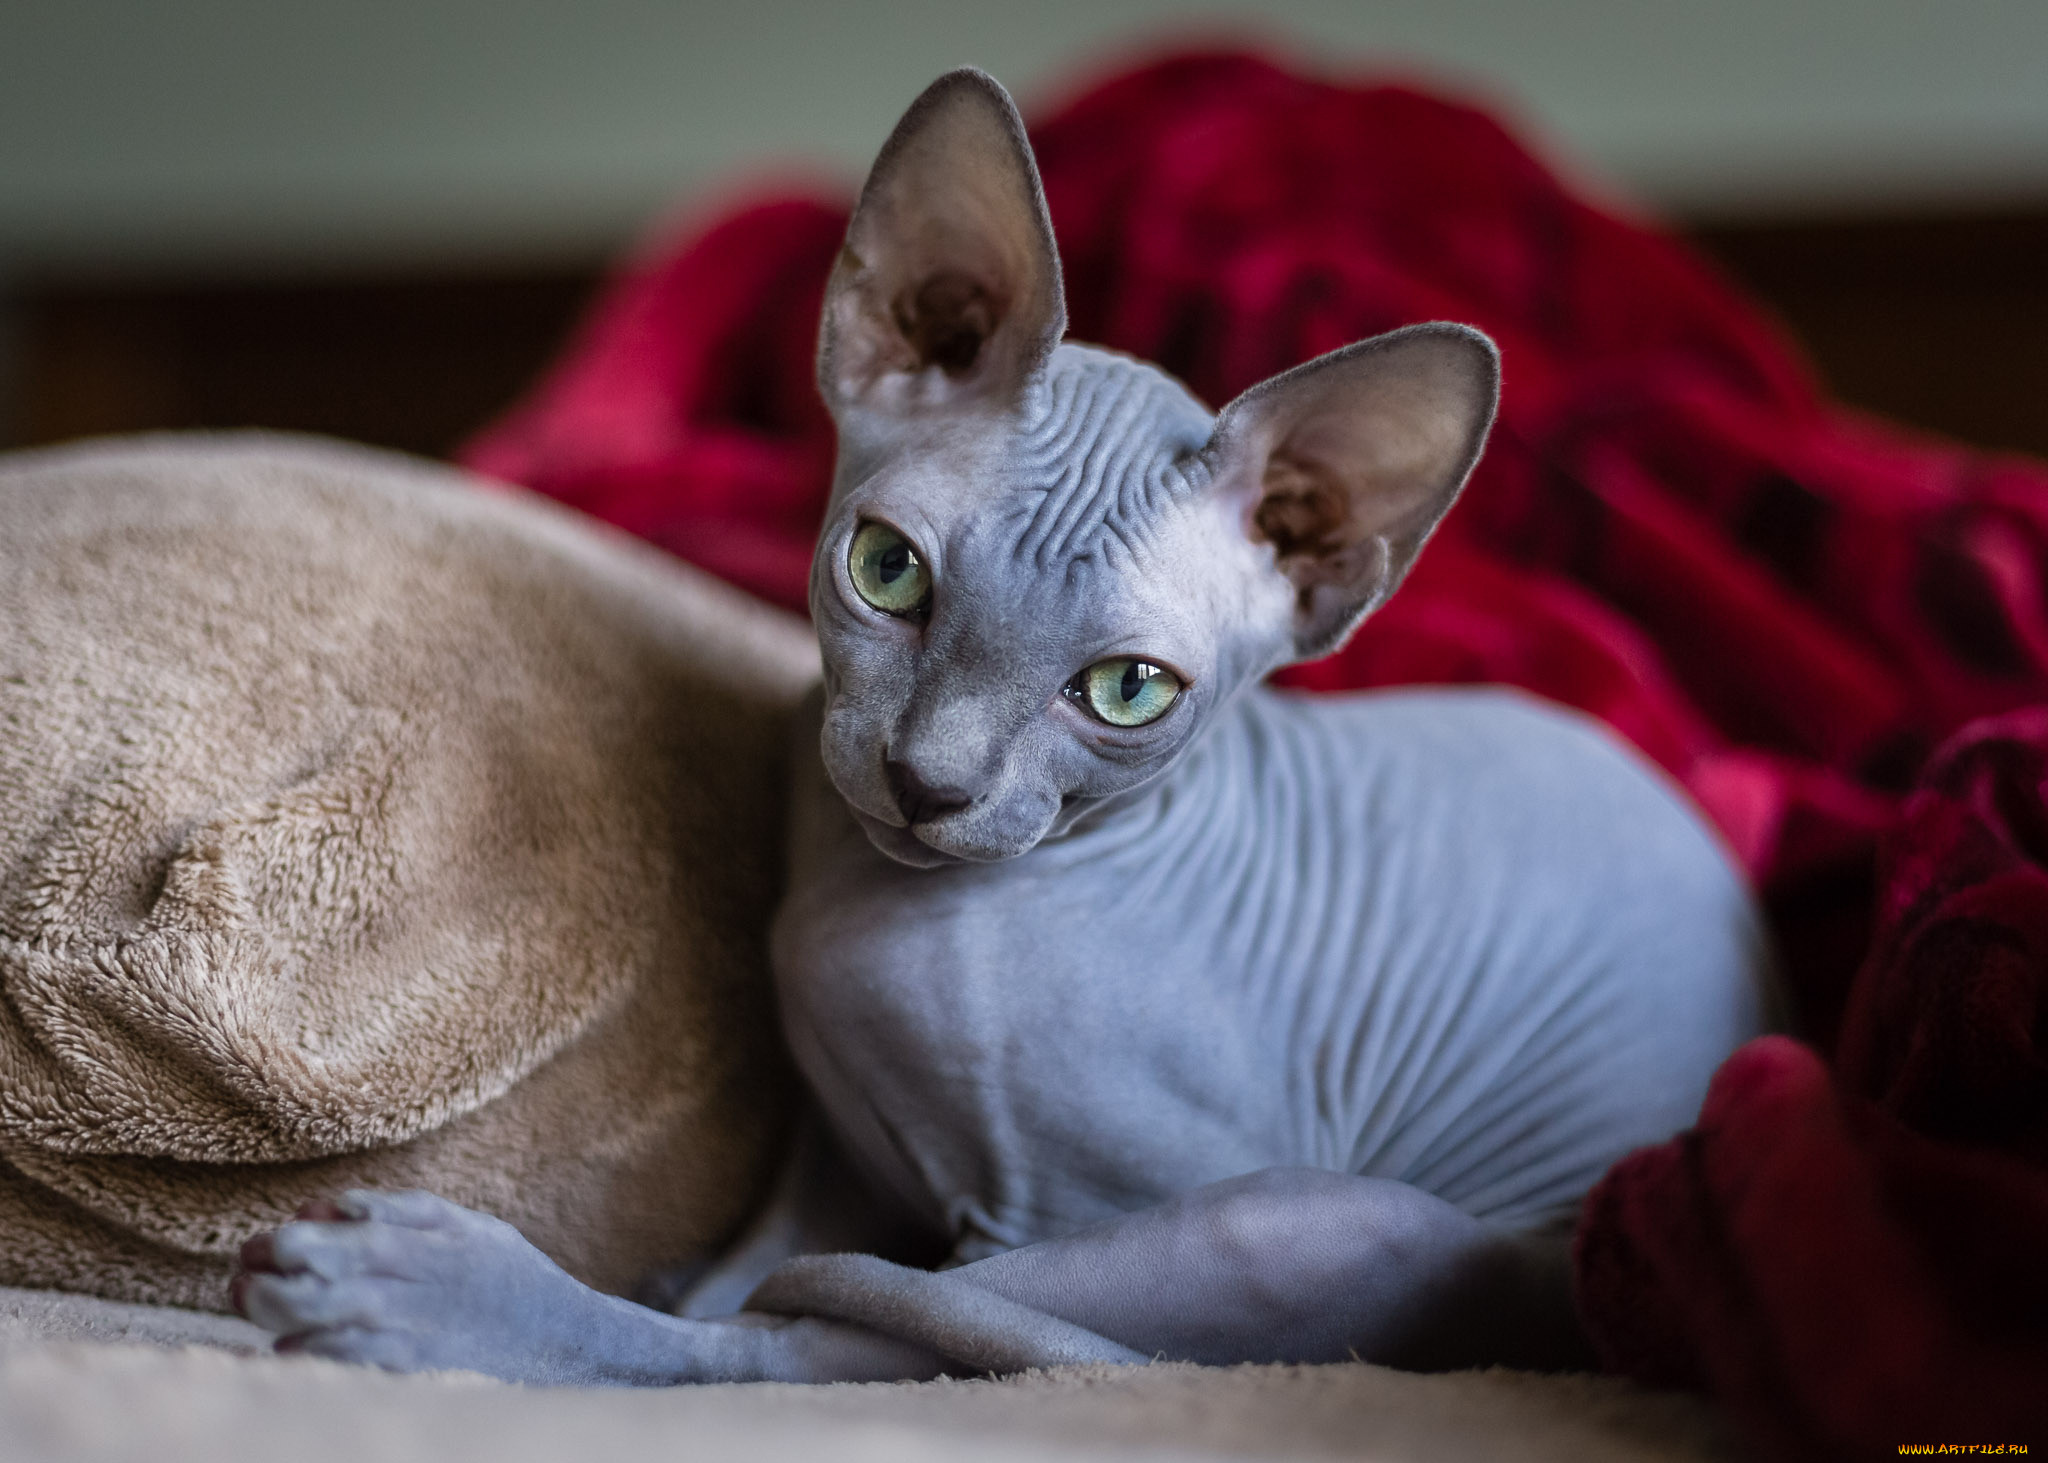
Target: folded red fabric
1854	1261
1786	605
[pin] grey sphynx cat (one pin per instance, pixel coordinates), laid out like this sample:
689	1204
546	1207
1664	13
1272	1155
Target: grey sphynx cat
1184	1017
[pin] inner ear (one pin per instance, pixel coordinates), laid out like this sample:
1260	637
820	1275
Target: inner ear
1338	556
946	318
1304	513
949	286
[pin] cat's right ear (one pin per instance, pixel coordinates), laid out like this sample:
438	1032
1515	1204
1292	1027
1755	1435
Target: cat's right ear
948	288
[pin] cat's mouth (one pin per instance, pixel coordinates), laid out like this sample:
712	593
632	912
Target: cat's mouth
903	844
983	830
936	842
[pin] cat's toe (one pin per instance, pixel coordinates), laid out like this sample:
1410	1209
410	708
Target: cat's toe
394	1351
292	1305
338	1251
269	1300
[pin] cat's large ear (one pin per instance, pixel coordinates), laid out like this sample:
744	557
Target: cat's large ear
948	288
1346	464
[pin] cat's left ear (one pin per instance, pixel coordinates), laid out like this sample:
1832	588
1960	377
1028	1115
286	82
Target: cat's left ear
948	290
1346	464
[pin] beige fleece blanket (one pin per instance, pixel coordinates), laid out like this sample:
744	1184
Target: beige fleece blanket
67	1396
358	826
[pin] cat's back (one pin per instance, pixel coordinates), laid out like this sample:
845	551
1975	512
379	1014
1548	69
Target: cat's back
1485	779
1559	950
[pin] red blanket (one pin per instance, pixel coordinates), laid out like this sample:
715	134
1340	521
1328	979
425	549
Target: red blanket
1788	606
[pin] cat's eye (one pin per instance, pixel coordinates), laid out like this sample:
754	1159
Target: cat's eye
1125	691
888	572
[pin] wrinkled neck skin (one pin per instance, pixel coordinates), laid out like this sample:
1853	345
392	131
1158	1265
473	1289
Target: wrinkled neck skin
1077	523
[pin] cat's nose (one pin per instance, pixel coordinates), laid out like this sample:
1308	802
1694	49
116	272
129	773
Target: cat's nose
919	800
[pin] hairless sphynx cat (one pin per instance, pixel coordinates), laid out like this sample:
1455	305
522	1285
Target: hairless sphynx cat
1182	1017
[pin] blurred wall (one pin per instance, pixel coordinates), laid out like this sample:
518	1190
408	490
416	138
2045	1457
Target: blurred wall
163	133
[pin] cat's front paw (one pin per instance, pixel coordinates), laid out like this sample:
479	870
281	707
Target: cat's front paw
410	1282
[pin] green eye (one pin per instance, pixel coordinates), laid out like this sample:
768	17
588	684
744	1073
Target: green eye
887	571
1126	692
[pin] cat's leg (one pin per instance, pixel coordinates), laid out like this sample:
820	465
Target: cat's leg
1282	1265
1295	1265
411	1282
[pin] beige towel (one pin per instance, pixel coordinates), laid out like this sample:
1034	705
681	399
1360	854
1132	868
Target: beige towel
67	1397
363	825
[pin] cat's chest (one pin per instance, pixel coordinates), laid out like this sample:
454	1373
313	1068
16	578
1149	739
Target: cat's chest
998	1048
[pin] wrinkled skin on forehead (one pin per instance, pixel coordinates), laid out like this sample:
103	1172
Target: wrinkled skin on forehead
1081	525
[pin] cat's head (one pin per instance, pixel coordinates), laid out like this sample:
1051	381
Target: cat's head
1046	566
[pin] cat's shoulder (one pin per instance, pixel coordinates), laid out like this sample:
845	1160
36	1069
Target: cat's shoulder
1493	760
1488	724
